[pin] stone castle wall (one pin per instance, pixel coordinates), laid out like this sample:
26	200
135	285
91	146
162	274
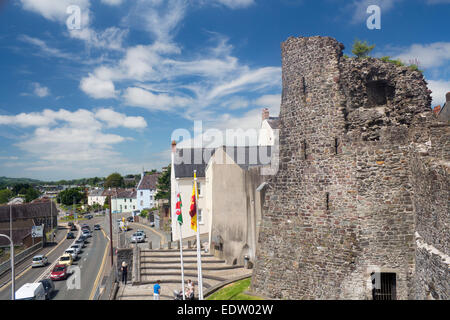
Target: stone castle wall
341	205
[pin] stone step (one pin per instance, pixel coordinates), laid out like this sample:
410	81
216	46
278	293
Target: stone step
177	261
169	274
174	255
207	283
218	266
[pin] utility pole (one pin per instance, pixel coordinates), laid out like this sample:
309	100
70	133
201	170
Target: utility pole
13	276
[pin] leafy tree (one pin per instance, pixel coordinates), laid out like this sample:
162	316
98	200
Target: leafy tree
144	213
5	195
163	185
31	194
361	49
114	180
67	196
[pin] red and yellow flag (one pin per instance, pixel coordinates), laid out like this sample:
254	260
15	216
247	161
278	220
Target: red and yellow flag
193	207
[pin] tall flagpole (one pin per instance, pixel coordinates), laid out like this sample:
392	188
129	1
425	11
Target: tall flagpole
199	256
172	175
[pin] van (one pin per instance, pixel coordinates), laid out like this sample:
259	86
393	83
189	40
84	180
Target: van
31	291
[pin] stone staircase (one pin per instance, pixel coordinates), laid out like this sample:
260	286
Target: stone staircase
164	265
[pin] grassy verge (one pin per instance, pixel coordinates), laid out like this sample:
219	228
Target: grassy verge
234	291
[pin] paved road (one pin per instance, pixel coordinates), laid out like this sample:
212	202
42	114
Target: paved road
89	262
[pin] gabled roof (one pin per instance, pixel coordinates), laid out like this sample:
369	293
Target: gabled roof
126	193
274	122
96	193
250	156
149	182
189	159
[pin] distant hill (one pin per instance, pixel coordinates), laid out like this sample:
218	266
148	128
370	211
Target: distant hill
5	181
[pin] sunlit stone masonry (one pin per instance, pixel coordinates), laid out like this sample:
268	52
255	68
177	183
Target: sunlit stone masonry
361	199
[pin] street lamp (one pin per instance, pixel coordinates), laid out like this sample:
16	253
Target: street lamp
12	265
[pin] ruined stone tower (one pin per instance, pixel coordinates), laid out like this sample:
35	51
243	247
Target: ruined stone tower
340	210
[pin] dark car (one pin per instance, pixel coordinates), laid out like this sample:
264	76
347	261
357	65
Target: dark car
73	228
70	235
130	219
49	288
88	216
70	224
97	227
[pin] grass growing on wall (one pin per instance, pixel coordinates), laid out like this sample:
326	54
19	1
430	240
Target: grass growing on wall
234	291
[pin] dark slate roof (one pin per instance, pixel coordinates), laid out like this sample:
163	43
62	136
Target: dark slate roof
149	182
253	156
126	193
28	211
274	122
96	193
189	159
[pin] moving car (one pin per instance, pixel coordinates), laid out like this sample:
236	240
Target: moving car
137	237
142	232
97	227
130	219
73	228
39	261
76	247
66	259
31	291
49	288
70	235
85	226
86	233
72	252
59	272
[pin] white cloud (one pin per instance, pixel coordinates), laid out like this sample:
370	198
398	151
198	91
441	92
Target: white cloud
139	97
40	91
56	10
112	2
236	4
98	88
429	55
439	88
271	101
115	119
111	38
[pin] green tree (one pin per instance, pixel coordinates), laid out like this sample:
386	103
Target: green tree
163	185
361	49
114	180
5	195
31	194
68	196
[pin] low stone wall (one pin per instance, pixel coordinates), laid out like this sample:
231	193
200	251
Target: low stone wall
127	256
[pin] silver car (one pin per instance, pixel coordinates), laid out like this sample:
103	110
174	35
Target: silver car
76	247
39	261
72	252
137	237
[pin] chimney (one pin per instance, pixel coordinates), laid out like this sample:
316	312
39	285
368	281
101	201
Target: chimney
265	114
174	146
447	97
437	109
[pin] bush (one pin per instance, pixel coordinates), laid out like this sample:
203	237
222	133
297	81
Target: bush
361	49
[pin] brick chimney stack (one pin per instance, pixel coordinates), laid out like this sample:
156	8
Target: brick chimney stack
265	114
447	97
174	146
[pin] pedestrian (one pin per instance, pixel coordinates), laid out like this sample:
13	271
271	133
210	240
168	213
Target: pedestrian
124	272
190	291
156	290
54	236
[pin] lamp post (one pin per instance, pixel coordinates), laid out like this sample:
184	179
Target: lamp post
12	265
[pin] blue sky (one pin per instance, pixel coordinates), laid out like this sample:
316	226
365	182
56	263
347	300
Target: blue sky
107	97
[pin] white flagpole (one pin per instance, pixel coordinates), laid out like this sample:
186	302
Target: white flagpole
172	174
199	255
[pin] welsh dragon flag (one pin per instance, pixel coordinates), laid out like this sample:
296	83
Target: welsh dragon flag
193	208
178	205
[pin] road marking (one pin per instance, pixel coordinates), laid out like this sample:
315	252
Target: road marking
105	255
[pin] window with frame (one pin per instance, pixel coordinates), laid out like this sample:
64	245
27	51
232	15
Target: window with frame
200	215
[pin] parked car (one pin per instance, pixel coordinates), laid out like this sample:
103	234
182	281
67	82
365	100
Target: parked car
70	235
97	227
80	242
49	288
88	216
76	247
59	272
72	252
66	259
73	228
31	291
137	237
85	226
130	219
39	261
